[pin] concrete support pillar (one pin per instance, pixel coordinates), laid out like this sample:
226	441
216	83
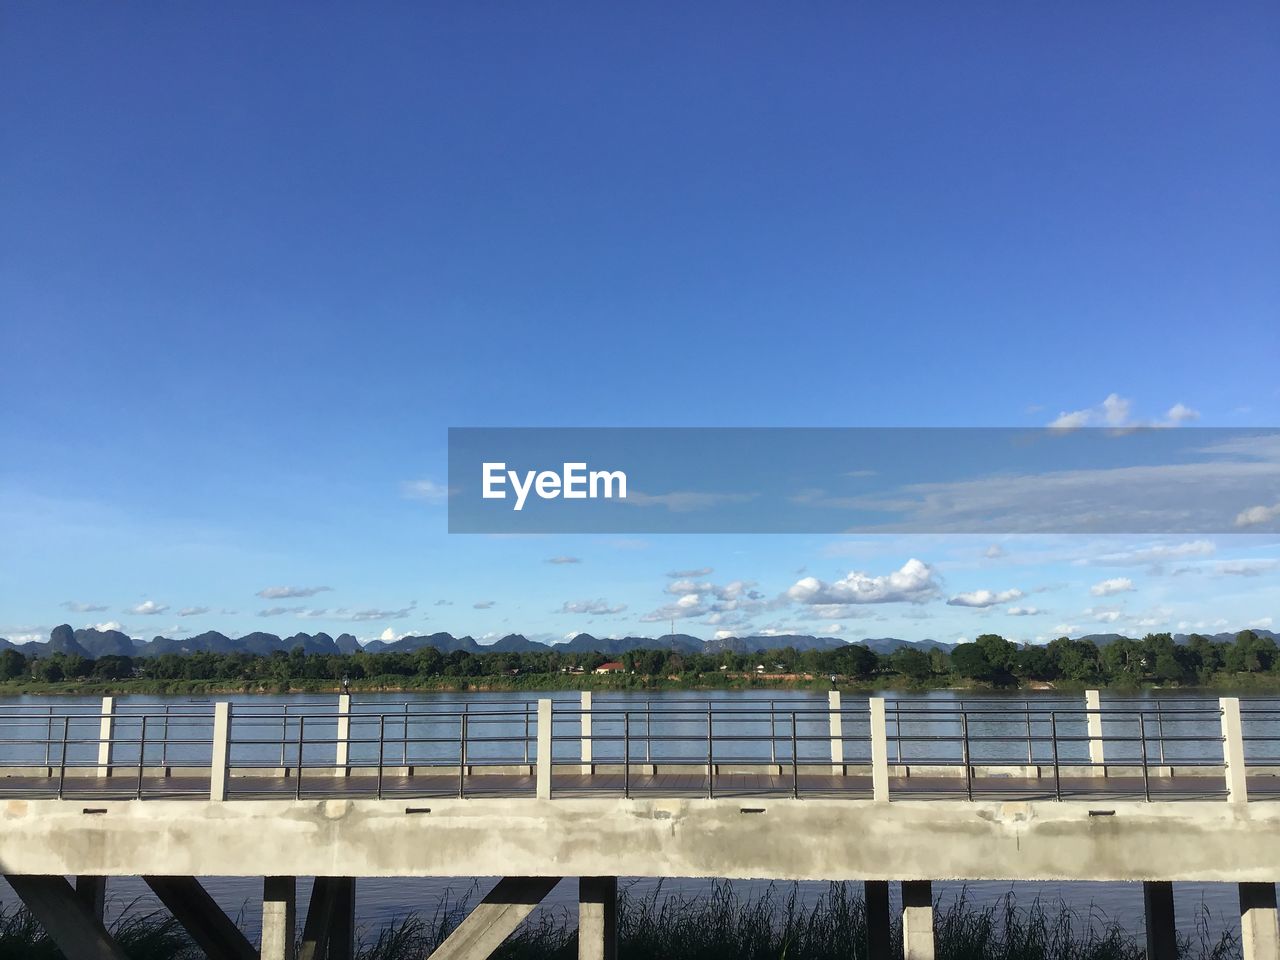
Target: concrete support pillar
1259	934
1233	750
279	917
106	736
221	759
1097	755
597	918
77	932
875	896
342	923
544	749
917	920
92	892
587	765
835	721
495	918
211	929
342	747
879	750
315	932
1162	936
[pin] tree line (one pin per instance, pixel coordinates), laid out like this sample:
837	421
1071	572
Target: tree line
991	659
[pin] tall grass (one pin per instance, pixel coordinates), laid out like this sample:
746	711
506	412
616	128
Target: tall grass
773	924
142	934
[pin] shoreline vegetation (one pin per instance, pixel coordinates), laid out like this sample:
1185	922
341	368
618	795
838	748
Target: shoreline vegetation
721	924
1249	662
546	683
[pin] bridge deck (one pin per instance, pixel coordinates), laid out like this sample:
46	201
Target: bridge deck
651	786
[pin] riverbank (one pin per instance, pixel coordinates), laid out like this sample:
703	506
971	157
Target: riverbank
618	683
723	924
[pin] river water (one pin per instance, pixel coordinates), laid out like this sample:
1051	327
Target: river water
1187	727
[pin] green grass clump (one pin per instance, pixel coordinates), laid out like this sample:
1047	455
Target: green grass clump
143	935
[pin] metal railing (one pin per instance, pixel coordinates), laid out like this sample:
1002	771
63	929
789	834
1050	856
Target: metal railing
783	746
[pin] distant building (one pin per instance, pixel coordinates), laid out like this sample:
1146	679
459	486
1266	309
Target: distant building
613	666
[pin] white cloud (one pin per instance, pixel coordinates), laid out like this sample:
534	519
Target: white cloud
192	611
1155	555
1262	623
278	611
719	603
690	574
1219	624
425	490
1024	611
1245	568
78	607
984	598
684	501
913	583
104	627
1106	588
1116	411
148	608
1256	516
284	593
1159	497
1103	614
598	607
389	635
1065	629
688	606
993	552
354	616
483	604
1071	421
1113	411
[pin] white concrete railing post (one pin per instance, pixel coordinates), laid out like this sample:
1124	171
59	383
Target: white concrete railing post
1259	933
1233	750
544	750
106	736
587	766
1097	755
837	732
218	766
879	750
342	751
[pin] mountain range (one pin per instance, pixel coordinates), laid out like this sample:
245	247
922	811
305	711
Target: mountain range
94	643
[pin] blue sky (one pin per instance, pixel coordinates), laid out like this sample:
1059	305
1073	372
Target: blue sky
255	262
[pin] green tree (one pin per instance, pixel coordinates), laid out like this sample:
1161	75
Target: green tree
12	665
970	660
911	663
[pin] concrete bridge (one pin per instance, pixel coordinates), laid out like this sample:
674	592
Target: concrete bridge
874	791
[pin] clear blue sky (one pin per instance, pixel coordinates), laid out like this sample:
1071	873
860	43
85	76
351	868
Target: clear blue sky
255	260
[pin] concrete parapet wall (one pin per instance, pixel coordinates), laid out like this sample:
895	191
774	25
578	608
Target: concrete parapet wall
808	839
